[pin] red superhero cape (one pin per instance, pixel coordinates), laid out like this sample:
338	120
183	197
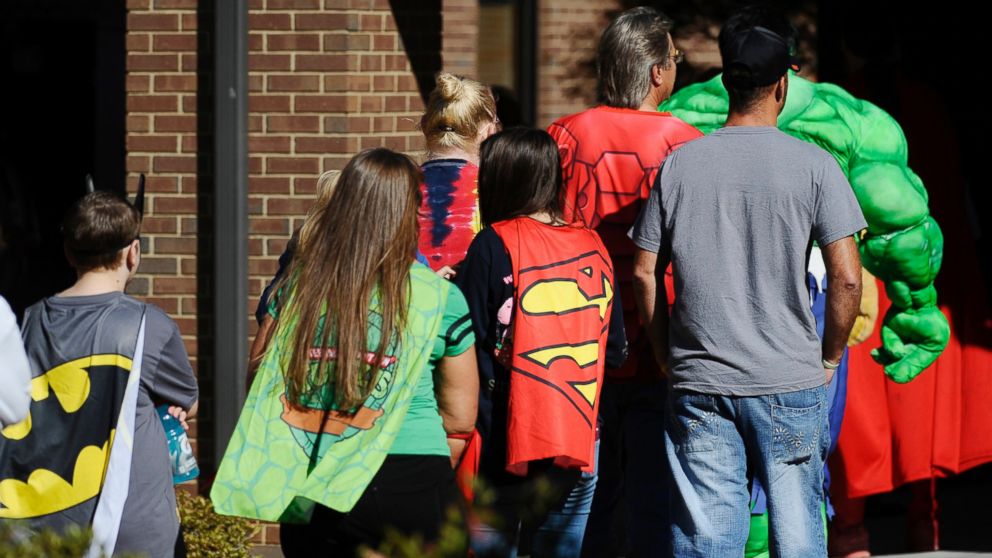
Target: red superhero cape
563	294
610	158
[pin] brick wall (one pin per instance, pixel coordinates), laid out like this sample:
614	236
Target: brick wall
161	123
460	35
568	33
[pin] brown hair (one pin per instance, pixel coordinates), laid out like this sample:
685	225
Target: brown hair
519	174
97	228
362	245
456	109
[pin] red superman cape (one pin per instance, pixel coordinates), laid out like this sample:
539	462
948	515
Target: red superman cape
610	158
563	294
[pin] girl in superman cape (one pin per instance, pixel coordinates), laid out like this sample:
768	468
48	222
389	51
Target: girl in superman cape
542	297
365	368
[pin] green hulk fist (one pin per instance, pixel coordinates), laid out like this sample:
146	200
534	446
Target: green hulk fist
903	244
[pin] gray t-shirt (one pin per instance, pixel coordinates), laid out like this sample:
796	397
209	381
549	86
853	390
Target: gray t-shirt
738	211
59	329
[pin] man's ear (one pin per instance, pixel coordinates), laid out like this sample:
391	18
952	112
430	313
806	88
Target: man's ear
780	88
133	256
657	75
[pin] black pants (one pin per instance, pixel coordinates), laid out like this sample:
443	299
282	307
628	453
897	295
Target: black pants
411	494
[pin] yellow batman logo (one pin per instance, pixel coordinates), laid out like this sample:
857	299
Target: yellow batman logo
561	296
46	492
71	383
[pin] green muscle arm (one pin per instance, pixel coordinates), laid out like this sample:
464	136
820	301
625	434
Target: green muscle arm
903	244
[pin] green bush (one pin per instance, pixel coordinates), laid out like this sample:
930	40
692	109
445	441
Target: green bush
73	543
209	534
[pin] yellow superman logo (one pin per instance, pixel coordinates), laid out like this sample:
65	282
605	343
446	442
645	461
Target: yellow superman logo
562	296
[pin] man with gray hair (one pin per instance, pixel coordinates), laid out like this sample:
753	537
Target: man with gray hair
610	156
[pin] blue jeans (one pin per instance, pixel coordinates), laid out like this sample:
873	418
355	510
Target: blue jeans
554	533
632	426
716	444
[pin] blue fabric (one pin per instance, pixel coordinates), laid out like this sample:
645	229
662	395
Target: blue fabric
786	437
837	395
558	533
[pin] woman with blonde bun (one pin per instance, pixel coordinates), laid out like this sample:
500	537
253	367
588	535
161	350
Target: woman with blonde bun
460	114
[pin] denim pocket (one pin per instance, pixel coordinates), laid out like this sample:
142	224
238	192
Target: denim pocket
690	423
796	430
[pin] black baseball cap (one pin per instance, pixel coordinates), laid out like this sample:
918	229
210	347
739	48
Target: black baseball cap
755	57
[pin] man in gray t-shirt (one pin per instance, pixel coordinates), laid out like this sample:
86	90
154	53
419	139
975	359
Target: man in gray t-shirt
737	213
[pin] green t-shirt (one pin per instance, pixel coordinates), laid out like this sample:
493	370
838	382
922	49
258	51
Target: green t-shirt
422	432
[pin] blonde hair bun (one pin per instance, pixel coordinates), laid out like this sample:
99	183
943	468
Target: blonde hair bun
449	86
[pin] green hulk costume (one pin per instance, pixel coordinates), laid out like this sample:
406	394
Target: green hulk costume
903	244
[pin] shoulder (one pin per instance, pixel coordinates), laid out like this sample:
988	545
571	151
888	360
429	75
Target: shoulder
158	324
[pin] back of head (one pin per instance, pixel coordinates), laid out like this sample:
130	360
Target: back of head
457	109
97	228
362	242
758	45
519	174
630	46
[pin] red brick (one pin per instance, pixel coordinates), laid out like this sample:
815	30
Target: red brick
260	225
321	103
189	226
268	144
322	62
335	42
155	184
268	185
152	103
359	42
137	5
325	22
325	145
291	165
334	163
188	266
161	225
169	305
396	62
137	286
175	83
175	285
292	82
189	184
189	22
370	22
293	42
255	123
191	347
256	82
254	165
135	42
384	42
173	205
304	186
188	144
255	247
136	83
262	266
189	103
160	144
256	42
384	83
175	123
371	63
269	103
137	163
293	4
189	305
174	42
384	124
395	103
371	104
175	4
152	22
152	63
288	206
268	62
287	123
180	163
150	264
396	143
187	326
189	62
276	246
272	22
